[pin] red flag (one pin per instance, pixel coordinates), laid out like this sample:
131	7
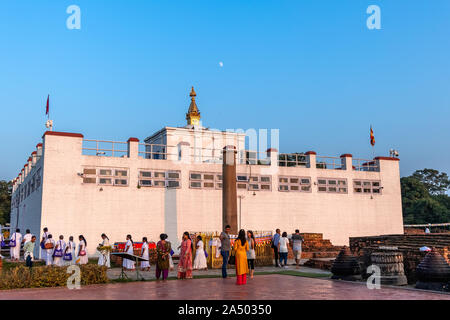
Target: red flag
48	105
372	137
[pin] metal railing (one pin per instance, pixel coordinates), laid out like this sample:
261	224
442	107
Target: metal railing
332	163
153	151
292	160
365	165
104	148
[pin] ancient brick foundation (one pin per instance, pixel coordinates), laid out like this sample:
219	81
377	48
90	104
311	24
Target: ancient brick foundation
409	245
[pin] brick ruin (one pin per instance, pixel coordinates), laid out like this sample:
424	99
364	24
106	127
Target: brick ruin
409	245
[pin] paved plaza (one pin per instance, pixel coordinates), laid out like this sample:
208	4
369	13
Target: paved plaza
262	287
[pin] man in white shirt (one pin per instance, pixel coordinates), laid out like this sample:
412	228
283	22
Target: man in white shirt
27	237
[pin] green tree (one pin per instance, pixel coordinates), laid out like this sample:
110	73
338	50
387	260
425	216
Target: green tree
436	182
423	199
5	201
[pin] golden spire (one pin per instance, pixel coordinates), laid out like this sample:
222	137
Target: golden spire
193	115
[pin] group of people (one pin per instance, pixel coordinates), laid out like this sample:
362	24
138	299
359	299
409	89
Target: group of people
280	245
53	252
60	252
244	254
164	253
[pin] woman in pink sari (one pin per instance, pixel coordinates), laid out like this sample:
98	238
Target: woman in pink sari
185	262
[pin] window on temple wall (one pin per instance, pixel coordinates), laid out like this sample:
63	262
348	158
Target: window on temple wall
89	176
161	179
332	185
29	188
33	183
367	187
296	184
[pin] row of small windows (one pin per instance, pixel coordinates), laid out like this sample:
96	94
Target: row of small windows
26	189
209	180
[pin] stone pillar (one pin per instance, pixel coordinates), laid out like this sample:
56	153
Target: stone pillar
133	148
347	161
39	150
34	157
184	152
29	163
272	154
229	192
311	159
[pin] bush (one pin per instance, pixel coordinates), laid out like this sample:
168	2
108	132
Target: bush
49	276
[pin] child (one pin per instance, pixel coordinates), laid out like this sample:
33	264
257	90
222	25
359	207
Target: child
82	252
200	258
145	265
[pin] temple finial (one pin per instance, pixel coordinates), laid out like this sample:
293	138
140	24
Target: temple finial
193	115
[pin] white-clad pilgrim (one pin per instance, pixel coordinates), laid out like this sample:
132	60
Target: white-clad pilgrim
82	251
145	265
27	237
128	264
15	241
49	247
104	258
42	244
58	254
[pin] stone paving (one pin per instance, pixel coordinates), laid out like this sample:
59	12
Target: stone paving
262	287
150	275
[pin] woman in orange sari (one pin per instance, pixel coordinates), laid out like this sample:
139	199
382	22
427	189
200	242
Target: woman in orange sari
240	249
185	262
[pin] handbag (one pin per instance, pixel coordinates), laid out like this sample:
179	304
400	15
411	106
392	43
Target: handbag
206	254
43	244
82	253
58	253
12	243
232	260
67	256
49	245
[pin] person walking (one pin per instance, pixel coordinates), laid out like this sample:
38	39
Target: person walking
283	249
27	236
200	258
42	244
49	247
15	242
297	241
163	249
185	260
82	251
58	253
69	252
145	265
28	249
225	249
275	239
104	258
251	252
127	263
240	248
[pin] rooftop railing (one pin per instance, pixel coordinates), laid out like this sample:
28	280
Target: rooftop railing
214	156
104	148
333	163
292	160
365	165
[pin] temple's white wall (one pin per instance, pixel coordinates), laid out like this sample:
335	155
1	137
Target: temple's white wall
70	207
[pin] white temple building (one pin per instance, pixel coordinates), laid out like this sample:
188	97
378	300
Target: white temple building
171	183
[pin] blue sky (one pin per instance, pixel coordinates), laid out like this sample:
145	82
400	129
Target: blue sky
310	68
